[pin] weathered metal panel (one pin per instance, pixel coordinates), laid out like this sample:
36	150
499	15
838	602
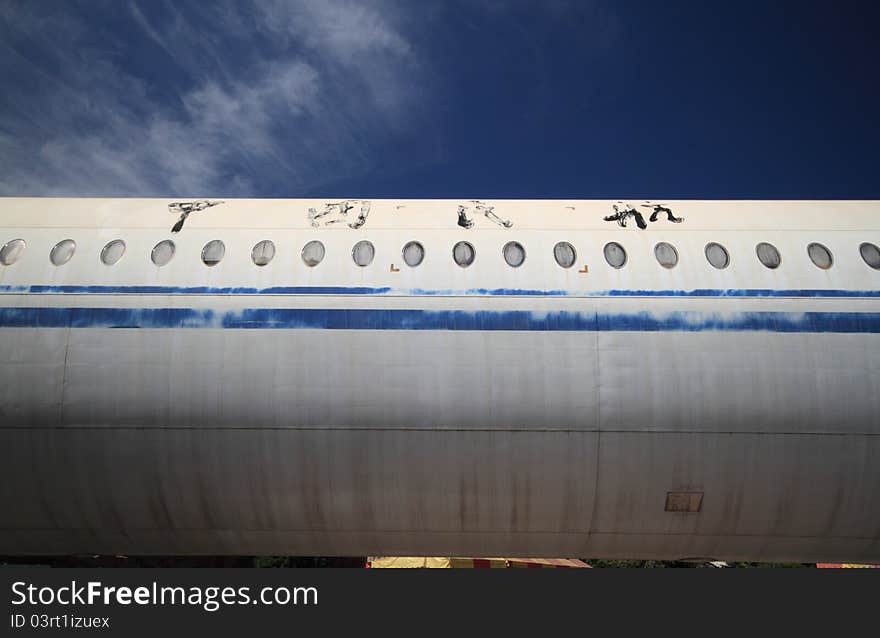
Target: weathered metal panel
819	485
355	379
31	376
740	382
120	481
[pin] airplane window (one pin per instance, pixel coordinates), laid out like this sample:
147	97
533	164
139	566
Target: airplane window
820	256
717	255
463	254
113	252
263	252
363	253
514	254
666	255
615	255
870	253
62	252
565	254
768	255
162	252
313	253
413	254
11	251
213	252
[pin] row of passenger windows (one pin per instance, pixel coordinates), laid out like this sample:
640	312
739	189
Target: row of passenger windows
413	253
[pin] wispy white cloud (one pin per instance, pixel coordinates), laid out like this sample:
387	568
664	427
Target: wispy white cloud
251	98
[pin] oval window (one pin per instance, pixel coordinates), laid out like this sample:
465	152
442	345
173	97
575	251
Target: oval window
666	255
716	254
263	252
564	254
413	254
313	253
870	253
11	251
62	252
113	252
213	252
363	253
768	255
514	254
820	256
463	254
615	255
162	252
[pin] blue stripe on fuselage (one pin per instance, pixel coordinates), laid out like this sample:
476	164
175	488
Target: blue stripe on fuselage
409	319
420	292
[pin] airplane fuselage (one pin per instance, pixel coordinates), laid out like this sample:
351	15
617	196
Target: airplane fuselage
379	377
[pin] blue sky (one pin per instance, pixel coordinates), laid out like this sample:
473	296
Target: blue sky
423	98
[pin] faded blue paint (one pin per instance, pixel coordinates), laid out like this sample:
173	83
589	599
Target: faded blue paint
421	292
406	319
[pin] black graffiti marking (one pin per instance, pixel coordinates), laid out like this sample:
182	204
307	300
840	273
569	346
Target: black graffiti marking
338	213
187	208
362	215
659	208
339	208
623	211
463	220
488	211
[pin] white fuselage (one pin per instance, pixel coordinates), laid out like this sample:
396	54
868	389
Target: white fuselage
589	411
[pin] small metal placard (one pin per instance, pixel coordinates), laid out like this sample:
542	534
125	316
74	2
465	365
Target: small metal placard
684	501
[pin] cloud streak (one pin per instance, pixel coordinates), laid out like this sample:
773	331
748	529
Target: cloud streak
249	98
